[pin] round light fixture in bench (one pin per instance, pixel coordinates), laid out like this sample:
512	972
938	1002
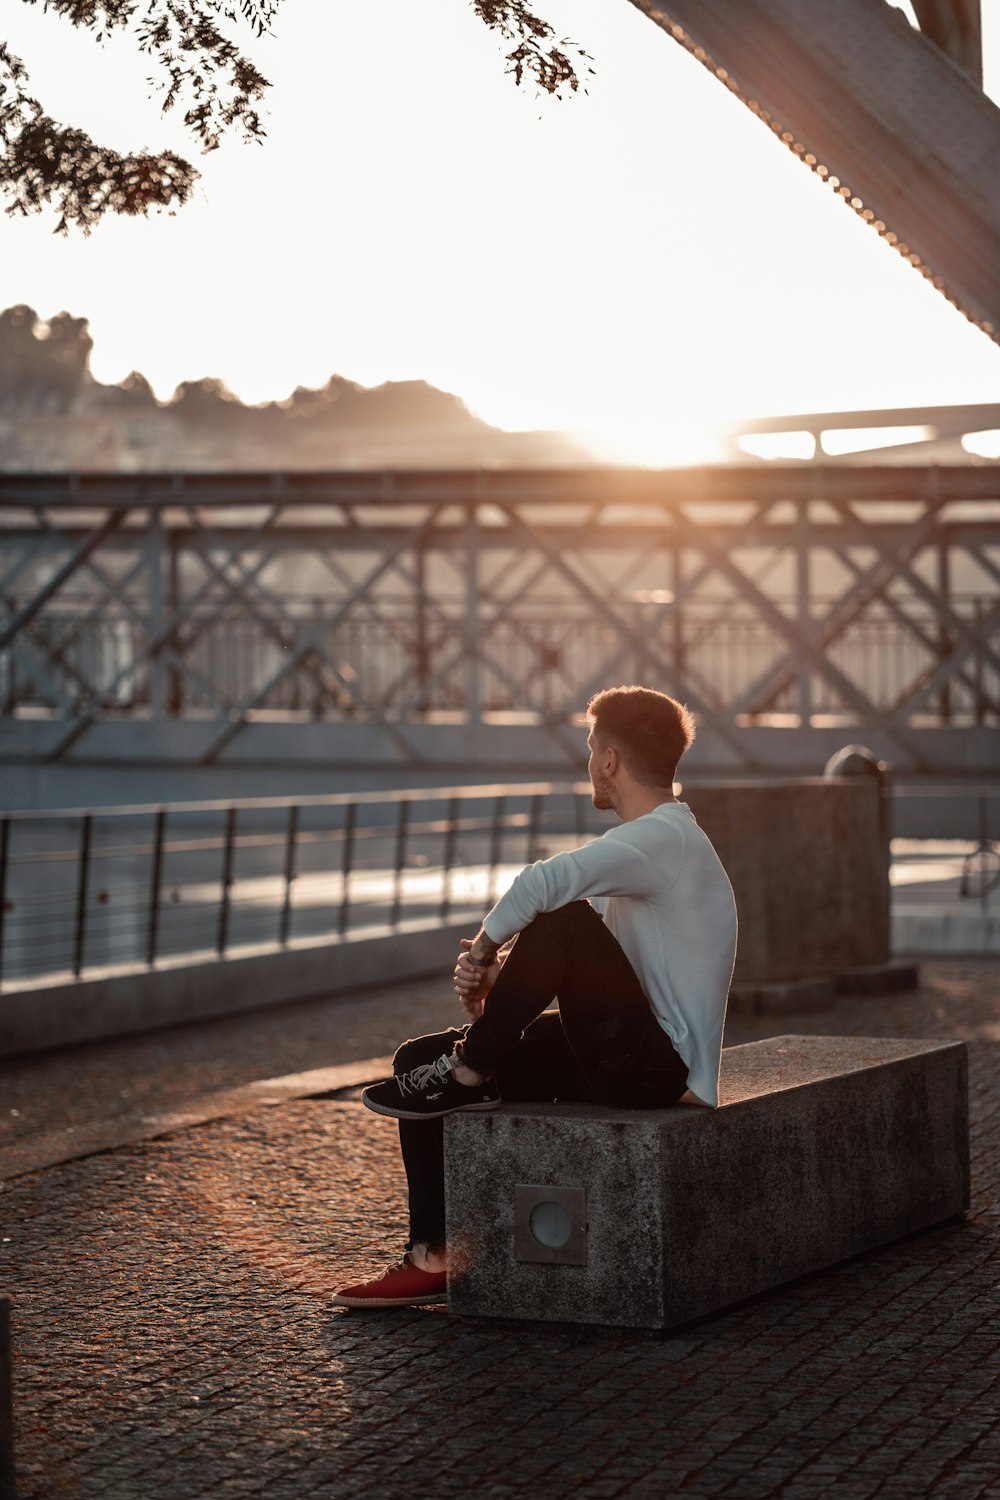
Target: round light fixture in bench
550	1224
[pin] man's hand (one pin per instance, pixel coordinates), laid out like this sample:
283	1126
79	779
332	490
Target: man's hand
473	984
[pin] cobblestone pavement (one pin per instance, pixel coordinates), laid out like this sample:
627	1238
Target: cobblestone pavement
174	1338
103	1080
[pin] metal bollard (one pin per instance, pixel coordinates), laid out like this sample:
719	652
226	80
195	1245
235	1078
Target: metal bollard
8	1486
858	760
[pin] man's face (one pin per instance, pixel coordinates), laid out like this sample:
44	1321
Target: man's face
601	797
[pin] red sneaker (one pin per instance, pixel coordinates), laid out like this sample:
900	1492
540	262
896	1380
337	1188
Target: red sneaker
400	1286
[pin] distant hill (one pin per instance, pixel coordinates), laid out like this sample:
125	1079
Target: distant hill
54	415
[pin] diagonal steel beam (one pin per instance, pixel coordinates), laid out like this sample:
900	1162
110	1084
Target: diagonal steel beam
237	724
235	589
929	642
915	696
282	631
507	604
939	604
18	622
297	660
246	591
153	644
721	726
824	668
987	564
37	641
452	627
389	556
204	622
209	536
687	684
460	655
288	643
114	589
117	588
33	545
869	584
39	671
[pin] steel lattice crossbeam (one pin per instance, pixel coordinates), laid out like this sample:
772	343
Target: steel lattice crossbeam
360	618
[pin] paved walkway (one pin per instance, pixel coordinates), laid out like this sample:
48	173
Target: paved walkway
174	1340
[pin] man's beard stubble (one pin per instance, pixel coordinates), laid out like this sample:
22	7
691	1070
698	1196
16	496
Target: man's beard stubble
600	795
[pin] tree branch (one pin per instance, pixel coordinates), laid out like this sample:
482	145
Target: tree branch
45	163
537	53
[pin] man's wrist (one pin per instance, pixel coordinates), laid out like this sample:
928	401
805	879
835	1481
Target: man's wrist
482	954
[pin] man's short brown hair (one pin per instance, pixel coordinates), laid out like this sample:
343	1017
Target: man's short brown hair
649	730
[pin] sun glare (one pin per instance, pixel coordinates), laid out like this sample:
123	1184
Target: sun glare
654	445
983	444
778	445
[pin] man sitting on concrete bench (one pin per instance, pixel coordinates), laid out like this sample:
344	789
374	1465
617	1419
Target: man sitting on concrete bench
634	933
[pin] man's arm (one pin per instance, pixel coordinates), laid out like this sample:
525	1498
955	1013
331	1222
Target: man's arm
608	866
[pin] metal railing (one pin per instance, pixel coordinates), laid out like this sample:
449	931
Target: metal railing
132	886
723	651
941	867
123	888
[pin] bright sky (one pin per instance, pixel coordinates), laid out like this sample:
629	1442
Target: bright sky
635	266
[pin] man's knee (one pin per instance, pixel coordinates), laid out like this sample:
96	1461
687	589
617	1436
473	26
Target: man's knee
564	918
424	1049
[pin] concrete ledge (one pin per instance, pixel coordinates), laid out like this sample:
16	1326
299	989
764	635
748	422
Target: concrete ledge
126	1003
823	1147
968	931
820	991
879	979
815	993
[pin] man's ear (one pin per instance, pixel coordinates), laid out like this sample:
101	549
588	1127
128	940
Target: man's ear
612	760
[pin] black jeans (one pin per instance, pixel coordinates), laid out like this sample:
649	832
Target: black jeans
605	1046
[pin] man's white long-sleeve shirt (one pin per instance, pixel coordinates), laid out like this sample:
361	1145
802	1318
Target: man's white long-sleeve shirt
663	893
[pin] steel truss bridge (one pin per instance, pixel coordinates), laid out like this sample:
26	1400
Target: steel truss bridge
415	620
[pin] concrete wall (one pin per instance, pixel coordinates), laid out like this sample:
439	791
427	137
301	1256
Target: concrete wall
172	994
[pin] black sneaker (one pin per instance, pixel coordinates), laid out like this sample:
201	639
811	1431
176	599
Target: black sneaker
427	1092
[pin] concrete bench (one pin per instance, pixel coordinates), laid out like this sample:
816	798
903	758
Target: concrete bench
822	1147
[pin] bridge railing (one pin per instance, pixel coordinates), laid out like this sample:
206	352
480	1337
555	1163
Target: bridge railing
724	651
120	887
